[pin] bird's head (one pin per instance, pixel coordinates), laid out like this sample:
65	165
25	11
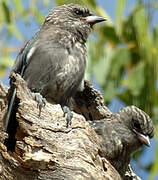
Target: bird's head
139	128
74	18
142	126
122	133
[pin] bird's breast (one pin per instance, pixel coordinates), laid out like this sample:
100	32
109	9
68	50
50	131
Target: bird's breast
72	72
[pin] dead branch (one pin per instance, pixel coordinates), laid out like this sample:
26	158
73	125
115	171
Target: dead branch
46	148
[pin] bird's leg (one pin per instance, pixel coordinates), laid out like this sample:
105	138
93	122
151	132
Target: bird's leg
41	102
68	114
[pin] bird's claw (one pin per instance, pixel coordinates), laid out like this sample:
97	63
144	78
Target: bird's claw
41	102
68	114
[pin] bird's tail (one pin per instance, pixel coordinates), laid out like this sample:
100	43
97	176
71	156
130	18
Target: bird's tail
10	124
10	108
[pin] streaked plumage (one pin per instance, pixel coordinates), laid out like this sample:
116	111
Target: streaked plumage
53	62
122	134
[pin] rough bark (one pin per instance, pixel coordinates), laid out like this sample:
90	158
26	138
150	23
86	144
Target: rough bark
46	148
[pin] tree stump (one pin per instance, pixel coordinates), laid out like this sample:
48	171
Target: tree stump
45	148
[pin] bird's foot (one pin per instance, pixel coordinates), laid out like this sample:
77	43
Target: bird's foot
41	102
68	114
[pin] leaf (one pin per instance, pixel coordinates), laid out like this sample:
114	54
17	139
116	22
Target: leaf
119	13
2	71
2	16
6	11
6	61
13	30
59	2
92	3
154	167
155	37
119	61
110	90
141	25
135	79
102	66
110	34
21	10
128	30
37	15
18	5
46	2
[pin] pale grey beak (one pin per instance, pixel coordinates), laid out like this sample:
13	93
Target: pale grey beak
94	19
143	139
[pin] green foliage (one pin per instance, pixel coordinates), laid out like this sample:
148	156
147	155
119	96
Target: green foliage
154	167
10	13
119	13
135	79
122	56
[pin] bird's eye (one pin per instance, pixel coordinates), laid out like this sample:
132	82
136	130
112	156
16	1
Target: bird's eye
136	125
78	12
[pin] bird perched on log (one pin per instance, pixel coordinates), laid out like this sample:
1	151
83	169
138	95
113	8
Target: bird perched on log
122	134
53	62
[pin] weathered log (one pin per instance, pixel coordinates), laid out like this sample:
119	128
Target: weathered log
46	148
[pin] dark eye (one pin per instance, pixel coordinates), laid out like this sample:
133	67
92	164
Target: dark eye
136	125
78	12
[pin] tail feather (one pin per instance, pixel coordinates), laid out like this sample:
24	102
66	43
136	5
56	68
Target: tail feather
10	108
11	123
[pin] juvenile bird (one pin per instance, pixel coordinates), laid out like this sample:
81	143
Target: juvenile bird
122	134
53	62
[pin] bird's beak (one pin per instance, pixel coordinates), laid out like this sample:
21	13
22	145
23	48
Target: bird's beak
142	138
94	19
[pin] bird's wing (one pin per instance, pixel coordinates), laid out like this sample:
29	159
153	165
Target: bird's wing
39	53
42	54
22	58
19	67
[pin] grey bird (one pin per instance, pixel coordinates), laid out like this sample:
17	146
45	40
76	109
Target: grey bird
53	62
122	134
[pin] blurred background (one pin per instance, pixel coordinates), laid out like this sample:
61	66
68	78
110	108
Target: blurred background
122	56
